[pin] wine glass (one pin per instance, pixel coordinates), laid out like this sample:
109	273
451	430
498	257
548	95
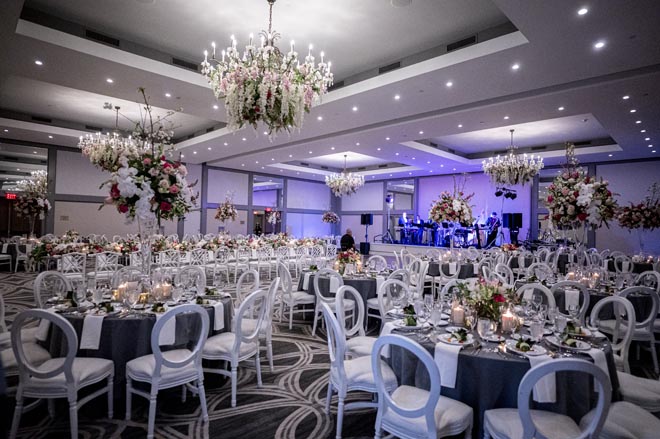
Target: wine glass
484	328
218	281
573	311
428	302
435	318
560	325
537	300
420	312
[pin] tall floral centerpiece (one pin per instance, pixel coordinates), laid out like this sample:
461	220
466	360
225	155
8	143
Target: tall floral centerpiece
643	216
144	182
227	211
273	217
32	202
452	207
577	201
349	256
330	217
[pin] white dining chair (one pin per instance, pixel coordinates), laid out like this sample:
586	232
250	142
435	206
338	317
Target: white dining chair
263	261
195	276
126	274
584	297
505	275
349	305
167	369
622	332
74	266
349	375
649	279
220	263
294	301
199	256
247	283
643	328
240	261
410	412
106	264
382	302
357	343
50	284
540	270
525	423
625	421
533	288
266	332
376	263
58	377
21	256
238	345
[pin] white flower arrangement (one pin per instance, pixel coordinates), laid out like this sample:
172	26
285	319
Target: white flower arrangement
33	198
273	217
226	211
330	217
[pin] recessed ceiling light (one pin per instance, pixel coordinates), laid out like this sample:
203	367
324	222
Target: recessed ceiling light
332	148
428	163
265	133
409	173
653	151
582	11
431	170
413	158
297	173
449	84
638	121
396	153
225	143
34	152
6	130
609	155
319	118
560	108
442	166
647	138
310	152
182	156
454	169
194	152
633	111
18	169
387	138
243	139
357	143
515	66
215	107
377	149
263	167
506	117
281	170
38	62
167	95
209	148
421	132
242	164
290	155
642	131
257	162
109	80
355	108
397	97
272	159
460	125
390	175
599	44
626	97
50	137
651	146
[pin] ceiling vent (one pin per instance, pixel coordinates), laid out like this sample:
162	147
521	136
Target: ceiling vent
382	166
362	168
462	43
433	144
210	130
41	119
583	143
101	38
304	164
336	85
538	148
324	167
389	67
93	128
184	64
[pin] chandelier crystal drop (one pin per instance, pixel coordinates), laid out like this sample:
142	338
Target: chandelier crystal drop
265	85
344	183
512	169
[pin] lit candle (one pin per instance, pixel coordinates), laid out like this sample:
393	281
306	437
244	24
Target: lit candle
206	55
251	36
292	45
213	45
121	290
311	46
322	55
508	321
570	275
457	315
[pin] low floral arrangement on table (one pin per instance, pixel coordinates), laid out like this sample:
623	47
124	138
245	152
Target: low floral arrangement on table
144	182
349	256
330	217
576	199
452	207
644	215
226	211
273	217
488	298
33	201
509	247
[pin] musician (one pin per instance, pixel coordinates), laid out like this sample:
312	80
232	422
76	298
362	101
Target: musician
419	233
493	224
404	224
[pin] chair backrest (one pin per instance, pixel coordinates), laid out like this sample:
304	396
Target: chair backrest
107	261
377	263
603	387
418	270
487	273
331	274
400	274
247	282
243	255
3	324
649	279
25	368
449	286
357	328
256	300
49	284
647	323
386	291
169	258
125	274
286	283
199	256
549	297
424	409
620	342
196	273
282	253
623	264
504	273
540	270
73	263
221	255
399	264
585	298
270	305
336	343
195	354
331	251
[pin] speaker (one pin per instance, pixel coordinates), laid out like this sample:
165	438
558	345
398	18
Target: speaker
364	248
512	220
367	219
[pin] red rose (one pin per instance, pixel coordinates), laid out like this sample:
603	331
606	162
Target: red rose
499	298
165	206
114	191
123	208
582	216
576	193
550	198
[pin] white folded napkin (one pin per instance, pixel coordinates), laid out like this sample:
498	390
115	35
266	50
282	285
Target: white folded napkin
571	297
305	286
452	269
528	294
599	360
625	266
446	357
219	318
4	248
388	327
91	332
168	333
545	389
606	263
44	326
379	282
334	284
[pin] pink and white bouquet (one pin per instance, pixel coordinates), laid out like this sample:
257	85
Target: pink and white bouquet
349	256
33	198
273	217
644	215
330	217
226	211
452	207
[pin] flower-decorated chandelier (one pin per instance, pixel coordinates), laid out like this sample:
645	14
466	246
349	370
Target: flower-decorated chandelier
344	183
266	85
512	169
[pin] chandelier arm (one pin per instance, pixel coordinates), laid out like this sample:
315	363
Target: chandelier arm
270	16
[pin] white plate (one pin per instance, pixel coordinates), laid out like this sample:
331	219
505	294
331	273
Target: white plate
453	328
579	346
494	338
584	332
448	338
401	325
442	323
536	349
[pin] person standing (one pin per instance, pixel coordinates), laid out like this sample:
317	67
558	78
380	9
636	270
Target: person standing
403	223
347	242
493	224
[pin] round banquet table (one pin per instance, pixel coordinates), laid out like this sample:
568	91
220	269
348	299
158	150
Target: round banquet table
366	286
465	270
488	380
637	267
641	302
125	338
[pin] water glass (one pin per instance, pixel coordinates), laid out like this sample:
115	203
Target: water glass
436	317
428	302
560	325
536	329
484	328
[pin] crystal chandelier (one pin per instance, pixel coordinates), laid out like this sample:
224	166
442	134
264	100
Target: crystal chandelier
345	183
266	85
512	169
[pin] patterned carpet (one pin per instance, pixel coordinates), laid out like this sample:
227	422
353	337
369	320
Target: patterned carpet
290	403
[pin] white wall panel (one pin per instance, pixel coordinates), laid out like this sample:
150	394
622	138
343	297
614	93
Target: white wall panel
369	197
308	195
307	225
353	222
77	176
220	182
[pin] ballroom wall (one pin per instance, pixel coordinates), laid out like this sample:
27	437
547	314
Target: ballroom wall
307	195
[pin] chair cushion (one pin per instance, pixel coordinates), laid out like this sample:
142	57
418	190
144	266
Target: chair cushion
221	345
607	326
626	421
506	423
360	346
302	297
451	416
373	303
28	335
85	371
643	392
248	325
34	353
359	374
142	368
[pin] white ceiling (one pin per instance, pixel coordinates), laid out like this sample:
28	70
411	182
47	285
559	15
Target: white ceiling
353	160
559	67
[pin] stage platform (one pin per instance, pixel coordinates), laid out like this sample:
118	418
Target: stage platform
378	248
